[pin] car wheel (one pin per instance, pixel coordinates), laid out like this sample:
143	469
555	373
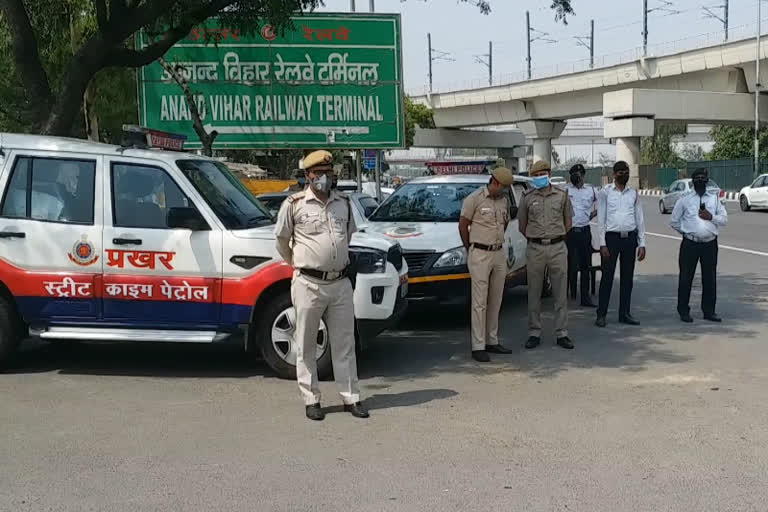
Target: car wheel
662	209
277	338
744	204
11	331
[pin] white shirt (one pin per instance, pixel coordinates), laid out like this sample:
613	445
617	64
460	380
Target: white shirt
583	203
620	211
686	220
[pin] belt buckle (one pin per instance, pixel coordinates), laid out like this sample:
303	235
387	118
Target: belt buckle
546	241
624	234
332	276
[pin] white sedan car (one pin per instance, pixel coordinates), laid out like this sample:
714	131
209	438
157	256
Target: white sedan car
755	195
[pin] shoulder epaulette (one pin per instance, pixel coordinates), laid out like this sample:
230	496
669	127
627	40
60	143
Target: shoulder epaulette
295	197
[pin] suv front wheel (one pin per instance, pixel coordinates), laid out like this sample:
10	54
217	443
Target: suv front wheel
277	338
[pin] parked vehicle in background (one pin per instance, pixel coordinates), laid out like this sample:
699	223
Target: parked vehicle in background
363	204
681	187
755	195
558	181
423	215
109	243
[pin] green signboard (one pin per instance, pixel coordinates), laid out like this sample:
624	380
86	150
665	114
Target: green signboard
331	80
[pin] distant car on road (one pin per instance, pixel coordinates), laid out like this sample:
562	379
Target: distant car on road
363	204
681	187
558	181
755	195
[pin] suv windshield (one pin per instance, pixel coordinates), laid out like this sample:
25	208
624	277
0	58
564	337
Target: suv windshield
425	202
225	194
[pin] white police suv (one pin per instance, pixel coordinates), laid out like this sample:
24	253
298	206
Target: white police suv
110	243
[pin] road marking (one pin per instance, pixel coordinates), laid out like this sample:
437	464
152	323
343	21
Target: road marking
727	247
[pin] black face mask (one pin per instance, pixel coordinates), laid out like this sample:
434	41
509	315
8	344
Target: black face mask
576	179
700	186
622	179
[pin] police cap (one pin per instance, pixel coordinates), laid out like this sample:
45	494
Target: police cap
503	175
320	160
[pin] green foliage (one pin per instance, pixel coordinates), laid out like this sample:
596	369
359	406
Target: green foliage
732	142
416	114
659	149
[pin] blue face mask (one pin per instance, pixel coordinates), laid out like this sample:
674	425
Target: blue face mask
540	181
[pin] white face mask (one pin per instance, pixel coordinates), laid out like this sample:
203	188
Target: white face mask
322	184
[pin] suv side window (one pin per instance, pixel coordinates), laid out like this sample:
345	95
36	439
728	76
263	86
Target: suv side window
142	196
51	189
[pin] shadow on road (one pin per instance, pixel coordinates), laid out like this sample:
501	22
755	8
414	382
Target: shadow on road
433	342
394	400
422	347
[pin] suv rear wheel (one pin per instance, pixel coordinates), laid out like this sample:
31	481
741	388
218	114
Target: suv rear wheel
277	338
11	330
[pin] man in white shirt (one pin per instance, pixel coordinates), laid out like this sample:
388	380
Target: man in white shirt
697	216
584	204
622	235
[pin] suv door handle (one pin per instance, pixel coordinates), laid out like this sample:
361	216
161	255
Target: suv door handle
126	241
12	234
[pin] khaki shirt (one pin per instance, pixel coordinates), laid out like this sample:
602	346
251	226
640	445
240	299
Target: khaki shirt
489	216
315	235
545	211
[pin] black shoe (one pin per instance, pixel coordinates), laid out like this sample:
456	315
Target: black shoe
315	412
565	342
532	342
588	304
600	322
687	318
713	318
629	320
497	349
357	409
481	356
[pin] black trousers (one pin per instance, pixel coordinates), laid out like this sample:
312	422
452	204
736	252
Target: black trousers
579	260
625	250
691	253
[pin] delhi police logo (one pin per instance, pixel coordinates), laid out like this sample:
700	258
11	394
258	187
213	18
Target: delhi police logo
83	253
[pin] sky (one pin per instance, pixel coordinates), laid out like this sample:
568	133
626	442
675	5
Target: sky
463	32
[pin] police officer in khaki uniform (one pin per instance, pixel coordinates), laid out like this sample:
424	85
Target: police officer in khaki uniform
313	231
484	218
545	219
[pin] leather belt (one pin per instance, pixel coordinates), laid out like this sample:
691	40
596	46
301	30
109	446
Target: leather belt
547	241
622	234
699	240
580	229
324	276
484	247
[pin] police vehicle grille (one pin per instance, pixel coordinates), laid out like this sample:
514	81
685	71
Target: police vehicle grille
395	256
417	259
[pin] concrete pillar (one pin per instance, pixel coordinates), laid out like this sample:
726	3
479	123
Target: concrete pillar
514	157
628	149
541	132
627	132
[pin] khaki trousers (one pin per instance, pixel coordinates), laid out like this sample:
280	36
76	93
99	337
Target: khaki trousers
489	272
331	301
538	259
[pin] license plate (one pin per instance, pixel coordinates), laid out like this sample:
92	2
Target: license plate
404	289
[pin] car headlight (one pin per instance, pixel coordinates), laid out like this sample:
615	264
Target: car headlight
369	261
452	258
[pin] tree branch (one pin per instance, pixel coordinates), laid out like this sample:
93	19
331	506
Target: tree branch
101	13
197	123
26	56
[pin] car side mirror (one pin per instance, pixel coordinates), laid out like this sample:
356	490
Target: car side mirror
512	212
368	210
186	218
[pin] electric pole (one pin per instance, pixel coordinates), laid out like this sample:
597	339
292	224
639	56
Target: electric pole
664	7
371	6
433	56
352	5
708	13
757	93
487	61
534	35
581	41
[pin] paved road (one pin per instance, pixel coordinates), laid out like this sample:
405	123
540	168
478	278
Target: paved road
662	417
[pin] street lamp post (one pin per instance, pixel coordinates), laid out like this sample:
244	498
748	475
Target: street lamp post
757	92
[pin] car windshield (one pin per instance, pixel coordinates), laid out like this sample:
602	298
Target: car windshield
273	203
425	202
225	194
